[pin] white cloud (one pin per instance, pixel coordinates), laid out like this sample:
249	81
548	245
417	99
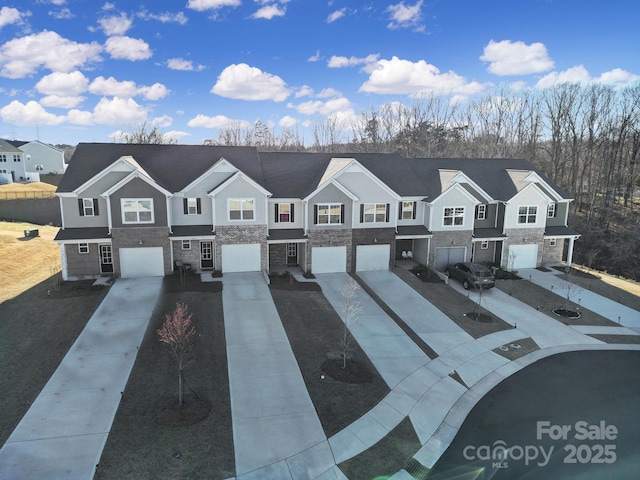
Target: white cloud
62	14
163	121
61	102
304	91
202	5
21	57
219	121
329	92
579	74
127	48
118	111
111	87
176	135
288	121
10	16
269	11
315	58
165	17
243	82
343	62
329	107
58	2
338	14
63	84
115	25
184	65
405	16
516	58
80	117
30	113
397	76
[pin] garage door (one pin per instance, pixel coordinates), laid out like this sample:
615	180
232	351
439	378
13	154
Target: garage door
328	259
448	256
141	262
523	256
372	257
241	258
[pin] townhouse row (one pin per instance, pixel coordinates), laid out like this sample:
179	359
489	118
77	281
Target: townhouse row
141	210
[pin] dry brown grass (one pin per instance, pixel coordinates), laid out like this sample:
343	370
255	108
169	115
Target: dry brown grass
12	191
25	262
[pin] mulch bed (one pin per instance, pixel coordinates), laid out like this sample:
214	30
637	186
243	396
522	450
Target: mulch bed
288	282
314	330
350	371
138	445
517	349
575	272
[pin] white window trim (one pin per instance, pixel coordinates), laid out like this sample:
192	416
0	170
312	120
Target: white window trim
138	221
484	245
83	246
553	242
481	212
328	215
410	204
528	214
245	199
87	203
453	217
551	210
191	201
186	244
288	212
375	213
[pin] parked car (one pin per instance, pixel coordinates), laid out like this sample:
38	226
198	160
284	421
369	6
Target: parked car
470	273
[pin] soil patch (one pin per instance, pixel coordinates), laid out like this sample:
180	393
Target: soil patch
351	372
289	283
454	305
479	317
314	330
426	275
138	446
575	272
192	411
628	339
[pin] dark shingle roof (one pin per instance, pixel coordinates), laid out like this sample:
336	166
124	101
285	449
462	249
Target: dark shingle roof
172	166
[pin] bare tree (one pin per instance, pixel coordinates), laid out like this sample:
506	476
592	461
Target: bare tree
351	309
144	134
178	333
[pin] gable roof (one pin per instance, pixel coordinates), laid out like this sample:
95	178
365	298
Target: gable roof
8	146
172	166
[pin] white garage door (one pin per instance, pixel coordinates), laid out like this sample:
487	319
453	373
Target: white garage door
241	258
448	256
523	256
328	259
372	257
141	262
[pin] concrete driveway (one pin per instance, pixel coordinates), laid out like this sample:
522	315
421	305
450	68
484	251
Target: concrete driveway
63	433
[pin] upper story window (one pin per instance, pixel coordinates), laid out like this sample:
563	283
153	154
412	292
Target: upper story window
329	213
374	212
192	206
186	244
88	207
16	157
242	208
407	210
83	248
527	214
137	210
284	212
453	216
3	157
481	212
551	210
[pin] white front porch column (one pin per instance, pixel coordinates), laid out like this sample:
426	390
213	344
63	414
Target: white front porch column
570	251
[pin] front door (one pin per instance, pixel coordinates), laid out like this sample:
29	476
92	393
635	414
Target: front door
206	255
106	259
292	254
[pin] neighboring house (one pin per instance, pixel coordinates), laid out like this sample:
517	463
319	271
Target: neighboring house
137	210
12	163
40	157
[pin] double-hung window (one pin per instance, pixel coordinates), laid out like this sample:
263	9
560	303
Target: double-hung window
481	212
453	216
329	213
374	213
407	210
242	208
284	212
551	210
83	248
192	206
16	157
88	207
186	244
137	210
527	214
3	157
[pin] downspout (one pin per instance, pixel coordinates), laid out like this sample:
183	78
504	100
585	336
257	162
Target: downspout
109	219
61	212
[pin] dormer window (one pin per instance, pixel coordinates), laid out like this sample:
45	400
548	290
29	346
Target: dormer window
551	210
192	206
284	212
481	212
407	210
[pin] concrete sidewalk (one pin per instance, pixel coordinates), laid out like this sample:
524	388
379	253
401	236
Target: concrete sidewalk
276	431
64	432
614	311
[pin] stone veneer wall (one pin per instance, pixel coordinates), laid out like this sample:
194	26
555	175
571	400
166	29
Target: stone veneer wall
453	238
373	236
552	254
329	238
191	256
82	264
241	234
277	255
129	237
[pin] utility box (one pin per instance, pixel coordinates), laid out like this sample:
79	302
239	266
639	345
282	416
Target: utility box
32	232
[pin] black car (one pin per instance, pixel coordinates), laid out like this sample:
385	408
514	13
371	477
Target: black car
470	273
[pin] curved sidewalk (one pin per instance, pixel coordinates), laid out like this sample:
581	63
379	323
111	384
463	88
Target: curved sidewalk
64	432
